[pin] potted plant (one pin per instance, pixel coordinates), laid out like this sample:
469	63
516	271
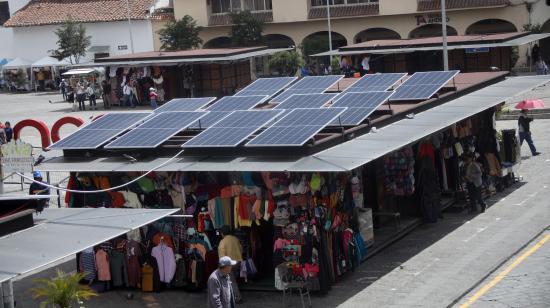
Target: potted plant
62	291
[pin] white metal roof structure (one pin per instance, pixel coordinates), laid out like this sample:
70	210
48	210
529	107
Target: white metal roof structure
343	157
61	233
17	63
50	61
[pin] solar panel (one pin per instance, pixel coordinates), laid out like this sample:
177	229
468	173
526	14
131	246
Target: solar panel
360	106
209	119
232	103
100	131
297	127
422	85
309	85
185	104
376	82
233	129
266	86
306	101
156	130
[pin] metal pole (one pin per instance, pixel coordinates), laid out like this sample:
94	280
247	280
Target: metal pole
7	294
130	26
444	35
329	33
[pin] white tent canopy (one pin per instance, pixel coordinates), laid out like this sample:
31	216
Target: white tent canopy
17	63
50	61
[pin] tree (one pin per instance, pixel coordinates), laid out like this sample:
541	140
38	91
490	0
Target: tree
62	291
533	28
286	62
72	42
246	29
180	35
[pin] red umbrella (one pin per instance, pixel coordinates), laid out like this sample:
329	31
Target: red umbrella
530	104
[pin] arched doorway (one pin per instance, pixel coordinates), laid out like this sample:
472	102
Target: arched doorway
545	43
431	30
219	42
318	42
376	34
278	41
488	26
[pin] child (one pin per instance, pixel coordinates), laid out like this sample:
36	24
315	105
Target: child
9	131
474	182
153	97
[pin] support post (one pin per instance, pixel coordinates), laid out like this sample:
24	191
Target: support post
444	35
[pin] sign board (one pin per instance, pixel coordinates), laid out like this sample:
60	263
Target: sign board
16	156
122	47
429	19
477	50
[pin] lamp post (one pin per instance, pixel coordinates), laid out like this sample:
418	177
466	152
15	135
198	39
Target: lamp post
329	32
130	26
444	35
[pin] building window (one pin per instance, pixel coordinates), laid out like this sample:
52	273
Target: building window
4	12
226	6
340	2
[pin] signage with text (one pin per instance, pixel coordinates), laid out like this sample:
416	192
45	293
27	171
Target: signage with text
429	19
16	157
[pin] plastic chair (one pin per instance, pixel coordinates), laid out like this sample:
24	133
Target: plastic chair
287	286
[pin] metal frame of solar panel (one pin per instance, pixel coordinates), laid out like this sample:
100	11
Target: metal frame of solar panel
232	103
100	131
375	82
156	130
233	129
309	85
306	101
266	86
360	106
209	119
185	104
422	85
296	127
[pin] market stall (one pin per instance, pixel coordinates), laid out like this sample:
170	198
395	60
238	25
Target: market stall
47	73
17	74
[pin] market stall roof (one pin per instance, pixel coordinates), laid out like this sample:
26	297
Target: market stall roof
17	63
435	43
195	56
50	61
79	71
61	233
343	157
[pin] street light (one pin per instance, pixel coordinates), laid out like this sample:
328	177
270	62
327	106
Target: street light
444	35
329	33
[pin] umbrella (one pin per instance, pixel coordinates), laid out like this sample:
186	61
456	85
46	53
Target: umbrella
530	104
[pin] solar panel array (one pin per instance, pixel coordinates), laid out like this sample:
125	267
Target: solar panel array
209	119
232	103
306	101
375	82
309	85
156	130
422	85
101	131
296	128
360	106
266	86
185	104
233	129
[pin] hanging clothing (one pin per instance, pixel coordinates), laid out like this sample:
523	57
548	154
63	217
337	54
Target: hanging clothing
119	270
102	264
166	261
88	264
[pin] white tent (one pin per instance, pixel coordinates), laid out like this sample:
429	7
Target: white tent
50	61
17	63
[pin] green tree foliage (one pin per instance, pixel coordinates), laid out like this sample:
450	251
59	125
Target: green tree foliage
286	62
72	42
62	291
246	29
180	35
533	28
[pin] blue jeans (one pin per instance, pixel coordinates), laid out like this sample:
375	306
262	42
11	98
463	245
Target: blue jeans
527	137
154	103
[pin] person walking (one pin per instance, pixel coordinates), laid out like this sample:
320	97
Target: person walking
220	286
91	96
63	88
39	189
231	246
153	96
106	87
474	182
80	95
524	129
127	95
8	131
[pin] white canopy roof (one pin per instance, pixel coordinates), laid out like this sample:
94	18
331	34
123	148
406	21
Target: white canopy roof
17	63
50	61
79	71
61	233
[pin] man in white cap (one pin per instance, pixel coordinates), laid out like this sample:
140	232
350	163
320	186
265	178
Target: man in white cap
220	288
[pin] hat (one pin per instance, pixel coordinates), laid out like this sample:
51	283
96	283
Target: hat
37	175
152	89
226	261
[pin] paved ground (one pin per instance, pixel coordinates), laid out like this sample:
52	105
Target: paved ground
435	266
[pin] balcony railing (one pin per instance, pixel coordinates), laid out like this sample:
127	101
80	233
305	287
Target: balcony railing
220	19
345	10
435	5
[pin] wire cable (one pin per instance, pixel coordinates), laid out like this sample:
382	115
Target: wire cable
101	190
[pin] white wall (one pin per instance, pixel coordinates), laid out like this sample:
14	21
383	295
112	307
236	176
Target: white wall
6	34
33	43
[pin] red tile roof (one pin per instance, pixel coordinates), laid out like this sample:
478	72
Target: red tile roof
225	19
435	5
48	12
344	11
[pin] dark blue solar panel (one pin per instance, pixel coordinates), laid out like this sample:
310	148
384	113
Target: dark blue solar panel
209	119
101	131
306	101
297	127
360	106
232	103
376	82
233	129
185	104
422	85
309	85
266	86
156	130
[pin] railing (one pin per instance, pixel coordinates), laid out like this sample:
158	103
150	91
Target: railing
344	10
435	5
219	19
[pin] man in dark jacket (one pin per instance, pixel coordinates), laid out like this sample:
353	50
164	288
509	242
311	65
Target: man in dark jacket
220	290
525	131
